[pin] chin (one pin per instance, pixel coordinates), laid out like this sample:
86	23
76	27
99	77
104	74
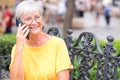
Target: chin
35	32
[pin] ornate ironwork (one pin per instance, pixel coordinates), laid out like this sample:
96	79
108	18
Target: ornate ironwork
54	31
89	56
4	63
107	62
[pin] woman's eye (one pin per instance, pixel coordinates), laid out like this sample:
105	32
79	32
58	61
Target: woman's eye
37	16
28	19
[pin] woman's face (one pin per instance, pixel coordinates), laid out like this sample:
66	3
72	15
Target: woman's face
34	21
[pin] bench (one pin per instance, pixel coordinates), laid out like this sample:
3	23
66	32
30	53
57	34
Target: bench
4	62
90	57
86	53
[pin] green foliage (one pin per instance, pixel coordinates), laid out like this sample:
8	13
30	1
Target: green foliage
92	71
6	43
76	68
8	40
116	45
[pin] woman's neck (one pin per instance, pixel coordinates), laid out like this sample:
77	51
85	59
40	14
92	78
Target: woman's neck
38	40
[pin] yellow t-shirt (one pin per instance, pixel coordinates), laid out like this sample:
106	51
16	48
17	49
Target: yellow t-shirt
44	62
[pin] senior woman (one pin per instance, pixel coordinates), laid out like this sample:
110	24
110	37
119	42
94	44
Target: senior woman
41	57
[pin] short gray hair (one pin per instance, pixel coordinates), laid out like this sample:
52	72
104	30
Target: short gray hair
27	6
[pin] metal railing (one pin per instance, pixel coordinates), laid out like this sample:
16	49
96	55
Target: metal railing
4	62
88	55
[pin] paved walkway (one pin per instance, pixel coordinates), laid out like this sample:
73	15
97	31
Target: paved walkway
101	30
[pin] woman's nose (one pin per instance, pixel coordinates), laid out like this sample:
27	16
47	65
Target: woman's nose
33	21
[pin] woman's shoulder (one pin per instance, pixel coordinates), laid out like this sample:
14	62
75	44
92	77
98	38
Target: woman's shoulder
57	39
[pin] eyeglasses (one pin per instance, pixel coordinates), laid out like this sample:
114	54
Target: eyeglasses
29	20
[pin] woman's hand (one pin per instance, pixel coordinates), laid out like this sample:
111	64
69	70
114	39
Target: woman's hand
22	33
64	75
16	70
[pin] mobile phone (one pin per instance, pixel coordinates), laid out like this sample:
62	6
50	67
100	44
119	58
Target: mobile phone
18	21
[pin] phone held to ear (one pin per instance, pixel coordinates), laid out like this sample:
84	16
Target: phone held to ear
18	21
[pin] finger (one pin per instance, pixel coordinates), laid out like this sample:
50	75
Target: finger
26	33
22	27
25	29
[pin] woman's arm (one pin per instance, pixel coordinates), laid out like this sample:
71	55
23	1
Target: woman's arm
16	69
63	75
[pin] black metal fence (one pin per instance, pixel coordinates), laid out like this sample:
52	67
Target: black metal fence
4	62
89	56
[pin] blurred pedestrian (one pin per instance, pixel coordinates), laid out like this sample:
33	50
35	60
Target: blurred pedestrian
97	10
46	12
79	8
61	11
8	19
107	11
78	21
2	23
53	10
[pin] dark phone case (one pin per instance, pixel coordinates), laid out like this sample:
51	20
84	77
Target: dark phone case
18	21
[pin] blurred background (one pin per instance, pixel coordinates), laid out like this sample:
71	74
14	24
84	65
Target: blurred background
102	17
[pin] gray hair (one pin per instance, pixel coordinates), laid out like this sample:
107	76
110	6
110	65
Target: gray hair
26	7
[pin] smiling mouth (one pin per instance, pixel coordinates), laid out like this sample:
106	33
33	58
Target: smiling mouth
33	28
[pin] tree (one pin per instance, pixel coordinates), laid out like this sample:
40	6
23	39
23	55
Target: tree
68	16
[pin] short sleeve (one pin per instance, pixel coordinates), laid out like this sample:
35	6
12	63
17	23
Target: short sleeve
63	60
